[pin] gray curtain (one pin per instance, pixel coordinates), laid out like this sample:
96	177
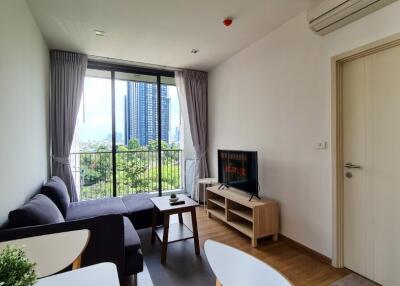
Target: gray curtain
67	75
192	89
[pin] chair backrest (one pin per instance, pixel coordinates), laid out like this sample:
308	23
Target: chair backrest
233	267
53	252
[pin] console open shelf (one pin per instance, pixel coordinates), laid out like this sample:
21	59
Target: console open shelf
217	202
217	213
255	219
243	227
243	213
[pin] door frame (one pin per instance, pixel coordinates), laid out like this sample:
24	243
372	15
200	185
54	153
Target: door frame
337	138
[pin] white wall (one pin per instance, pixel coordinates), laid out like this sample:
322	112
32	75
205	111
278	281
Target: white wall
275	97
24	68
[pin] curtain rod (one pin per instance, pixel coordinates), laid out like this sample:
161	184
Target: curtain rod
132	63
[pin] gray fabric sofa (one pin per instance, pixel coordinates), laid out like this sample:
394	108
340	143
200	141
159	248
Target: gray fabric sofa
111	221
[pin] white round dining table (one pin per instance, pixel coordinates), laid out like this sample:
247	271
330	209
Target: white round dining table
233	267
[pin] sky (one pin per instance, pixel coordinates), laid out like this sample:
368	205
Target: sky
94	118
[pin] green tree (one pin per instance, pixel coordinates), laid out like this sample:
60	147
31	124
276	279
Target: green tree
136	169
133	144
153	145
122	148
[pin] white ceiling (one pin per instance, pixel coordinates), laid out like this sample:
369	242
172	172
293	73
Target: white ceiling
161	32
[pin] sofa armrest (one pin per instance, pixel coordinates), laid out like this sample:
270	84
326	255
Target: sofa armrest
106	241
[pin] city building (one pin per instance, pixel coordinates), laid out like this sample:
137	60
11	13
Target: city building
141	112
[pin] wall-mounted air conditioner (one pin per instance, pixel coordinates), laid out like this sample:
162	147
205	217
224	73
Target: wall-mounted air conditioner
329	15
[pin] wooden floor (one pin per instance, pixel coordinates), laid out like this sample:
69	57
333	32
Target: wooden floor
298	265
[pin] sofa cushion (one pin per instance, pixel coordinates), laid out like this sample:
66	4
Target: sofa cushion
93	208
140	210
132	240
37	211
57	191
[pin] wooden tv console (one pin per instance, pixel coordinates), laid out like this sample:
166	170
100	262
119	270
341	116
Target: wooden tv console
255	219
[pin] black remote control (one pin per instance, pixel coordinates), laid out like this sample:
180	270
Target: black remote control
177	203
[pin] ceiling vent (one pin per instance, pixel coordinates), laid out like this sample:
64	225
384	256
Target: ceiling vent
329	15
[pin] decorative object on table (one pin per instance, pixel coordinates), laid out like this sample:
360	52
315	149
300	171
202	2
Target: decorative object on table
15	268
173	198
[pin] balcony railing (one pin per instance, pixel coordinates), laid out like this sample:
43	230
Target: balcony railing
136	172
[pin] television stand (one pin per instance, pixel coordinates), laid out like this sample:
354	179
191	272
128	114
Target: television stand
254	195
255	219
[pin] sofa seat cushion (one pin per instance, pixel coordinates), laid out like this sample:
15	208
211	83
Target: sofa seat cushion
140	210
93	208
57	191
37	211
132	240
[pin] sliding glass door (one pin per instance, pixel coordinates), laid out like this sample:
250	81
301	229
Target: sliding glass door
128	134
171	129
137	133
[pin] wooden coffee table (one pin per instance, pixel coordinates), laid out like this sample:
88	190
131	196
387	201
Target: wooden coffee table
175	232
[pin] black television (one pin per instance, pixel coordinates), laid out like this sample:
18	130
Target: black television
238	169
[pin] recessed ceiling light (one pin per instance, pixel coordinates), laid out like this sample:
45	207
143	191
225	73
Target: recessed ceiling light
99	33
194	51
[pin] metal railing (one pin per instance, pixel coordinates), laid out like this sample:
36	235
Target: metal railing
136	172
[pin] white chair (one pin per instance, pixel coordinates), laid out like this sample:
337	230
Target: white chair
53	252
233	267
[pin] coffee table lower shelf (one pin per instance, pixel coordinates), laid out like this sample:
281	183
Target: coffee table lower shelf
176	232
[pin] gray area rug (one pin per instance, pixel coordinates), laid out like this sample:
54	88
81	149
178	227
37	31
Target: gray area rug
144	278
353	280
183	267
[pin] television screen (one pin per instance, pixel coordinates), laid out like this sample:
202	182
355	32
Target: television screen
238	169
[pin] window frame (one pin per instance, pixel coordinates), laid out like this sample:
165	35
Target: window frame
113	68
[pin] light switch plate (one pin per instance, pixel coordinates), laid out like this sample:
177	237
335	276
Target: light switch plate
321	145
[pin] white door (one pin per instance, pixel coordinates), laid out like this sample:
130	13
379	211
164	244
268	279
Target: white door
371	130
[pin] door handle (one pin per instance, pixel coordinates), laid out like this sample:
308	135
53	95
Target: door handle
352	166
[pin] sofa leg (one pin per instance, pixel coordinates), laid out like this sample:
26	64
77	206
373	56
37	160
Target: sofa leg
131	280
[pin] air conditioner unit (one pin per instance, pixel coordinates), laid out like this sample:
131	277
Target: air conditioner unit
329	15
